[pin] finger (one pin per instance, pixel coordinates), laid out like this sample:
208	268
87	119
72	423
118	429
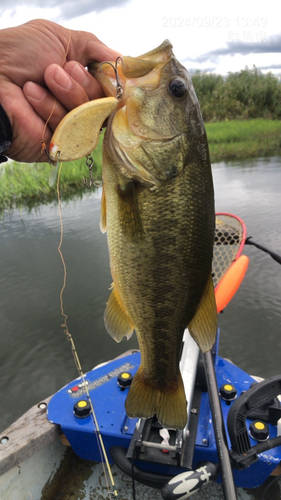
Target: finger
68	92
85	79
27	126
100	52
86	48
44	104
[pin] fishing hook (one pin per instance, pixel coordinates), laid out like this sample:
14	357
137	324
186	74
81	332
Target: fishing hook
119	94
45	150
119	88
90	163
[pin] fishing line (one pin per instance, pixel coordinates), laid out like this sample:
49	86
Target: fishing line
43	143
102	450
103	454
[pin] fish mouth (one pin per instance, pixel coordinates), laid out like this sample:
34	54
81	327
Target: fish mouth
144	70
127	132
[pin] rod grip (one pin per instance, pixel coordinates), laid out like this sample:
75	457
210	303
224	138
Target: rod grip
187	483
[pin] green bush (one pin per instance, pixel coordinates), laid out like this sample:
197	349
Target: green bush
241	95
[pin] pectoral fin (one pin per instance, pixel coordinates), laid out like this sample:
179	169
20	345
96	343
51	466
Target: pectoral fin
129	210
203	326
78	132
116	320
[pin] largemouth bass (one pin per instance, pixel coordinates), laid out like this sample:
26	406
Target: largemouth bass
158	211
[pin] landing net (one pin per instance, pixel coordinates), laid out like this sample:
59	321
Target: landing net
230	236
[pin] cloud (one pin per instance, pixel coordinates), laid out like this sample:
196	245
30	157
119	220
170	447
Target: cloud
272	66
74	8
69	9
210	69
270	45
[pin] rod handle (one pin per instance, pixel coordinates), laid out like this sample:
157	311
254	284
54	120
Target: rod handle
187	483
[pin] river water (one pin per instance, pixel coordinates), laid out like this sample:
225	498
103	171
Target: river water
35	356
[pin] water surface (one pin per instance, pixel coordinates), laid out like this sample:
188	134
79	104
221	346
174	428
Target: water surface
35	356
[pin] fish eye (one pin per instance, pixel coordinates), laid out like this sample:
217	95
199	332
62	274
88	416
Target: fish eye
177	87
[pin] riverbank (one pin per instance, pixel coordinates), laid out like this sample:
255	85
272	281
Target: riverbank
23	183
243	138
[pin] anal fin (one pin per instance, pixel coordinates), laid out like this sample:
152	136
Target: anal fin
116	320
203	326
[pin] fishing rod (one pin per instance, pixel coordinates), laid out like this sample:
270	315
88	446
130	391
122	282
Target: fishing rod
274	255
189	482
219	430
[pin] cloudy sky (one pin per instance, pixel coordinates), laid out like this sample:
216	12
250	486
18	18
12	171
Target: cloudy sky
220	36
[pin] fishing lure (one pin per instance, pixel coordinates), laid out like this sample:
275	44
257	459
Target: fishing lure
87	120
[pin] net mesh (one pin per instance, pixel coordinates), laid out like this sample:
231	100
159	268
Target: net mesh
228	238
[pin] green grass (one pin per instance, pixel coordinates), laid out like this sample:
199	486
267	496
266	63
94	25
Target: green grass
26	183
22	183
237	138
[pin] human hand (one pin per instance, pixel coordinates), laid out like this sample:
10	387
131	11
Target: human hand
32	79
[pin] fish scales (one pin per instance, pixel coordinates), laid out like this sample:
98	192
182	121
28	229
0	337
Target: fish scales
160	279
158	211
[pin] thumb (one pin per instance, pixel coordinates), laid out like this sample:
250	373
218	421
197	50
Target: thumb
87	48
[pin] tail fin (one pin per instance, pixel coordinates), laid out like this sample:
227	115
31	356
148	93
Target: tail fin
144	400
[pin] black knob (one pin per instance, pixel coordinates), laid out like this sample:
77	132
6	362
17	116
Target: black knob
228	392
259	430
124	379
82	408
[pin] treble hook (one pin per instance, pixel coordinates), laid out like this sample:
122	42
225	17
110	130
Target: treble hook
90	164
119	88
91	182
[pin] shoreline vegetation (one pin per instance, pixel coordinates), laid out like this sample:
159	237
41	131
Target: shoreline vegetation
242	115
243	138
28	183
